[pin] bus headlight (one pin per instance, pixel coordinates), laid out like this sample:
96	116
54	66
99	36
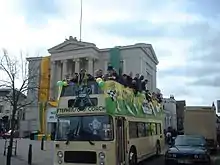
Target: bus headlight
101	163
102	155
60	154
60	161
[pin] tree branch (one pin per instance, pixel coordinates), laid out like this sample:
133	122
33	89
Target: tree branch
19	107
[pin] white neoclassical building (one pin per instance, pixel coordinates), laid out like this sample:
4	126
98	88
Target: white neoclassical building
71	56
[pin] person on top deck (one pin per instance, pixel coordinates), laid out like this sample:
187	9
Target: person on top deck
99	74
138	84
134	86
84	77
144	85
129	79
74	78
111	75
125	80
159	97
140	80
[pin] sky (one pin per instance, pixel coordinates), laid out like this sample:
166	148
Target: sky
184	34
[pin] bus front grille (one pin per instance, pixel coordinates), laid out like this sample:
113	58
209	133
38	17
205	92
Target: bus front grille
86	157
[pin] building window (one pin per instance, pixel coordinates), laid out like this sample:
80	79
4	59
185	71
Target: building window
1	108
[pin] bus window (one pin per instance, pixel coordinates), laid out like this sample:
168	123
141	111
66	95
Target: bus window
154	130
133	131
82	128
159	129
147	129
141	130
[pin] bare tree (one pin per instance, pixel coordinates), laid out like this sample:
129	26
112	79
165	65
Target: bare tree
17	77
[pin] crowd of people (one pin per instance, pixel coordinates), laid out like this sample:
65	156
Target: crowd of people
138	83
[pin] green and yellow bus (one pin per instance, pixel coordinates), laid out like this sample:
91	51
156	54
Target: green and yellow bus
105	123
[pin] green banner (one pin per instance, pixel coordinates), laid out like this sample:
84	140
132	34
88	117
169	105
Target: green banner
122	101
115	58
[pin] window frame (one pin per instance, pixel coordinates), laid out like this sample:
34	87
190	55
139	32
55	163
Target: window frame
146	133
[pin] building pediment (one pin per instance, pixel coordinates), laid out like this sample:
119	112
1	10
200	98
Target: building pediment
148	49
70	45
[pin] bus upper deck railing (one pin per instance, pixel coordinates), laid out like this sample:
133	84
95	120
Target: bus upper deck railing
93	87
71	90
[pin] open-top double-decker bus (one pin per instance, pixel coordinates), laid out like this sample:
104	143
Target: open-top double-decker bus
105	123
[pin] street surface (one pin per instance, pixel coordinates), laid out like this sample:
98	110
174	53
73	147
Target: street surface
46	157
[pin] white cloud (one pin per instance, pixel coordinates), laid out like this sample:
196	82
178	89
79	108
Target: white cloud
170	16
16	33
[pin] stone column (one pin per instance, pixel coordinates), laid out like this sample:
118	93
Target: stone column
59	70
64	74
105	67
77	68
52	78
90	66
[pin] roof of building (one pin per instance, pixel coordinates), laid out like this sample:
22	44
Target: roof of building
34	58
73	44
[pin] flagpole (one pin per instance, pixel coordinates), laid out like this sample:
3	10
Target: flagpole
80	26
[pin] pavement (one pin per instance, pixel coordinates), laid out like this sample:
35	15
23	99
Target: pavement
39	157
14	161
45	157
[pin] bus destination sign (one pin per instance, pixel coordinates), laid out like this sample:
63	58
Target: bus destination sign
76	109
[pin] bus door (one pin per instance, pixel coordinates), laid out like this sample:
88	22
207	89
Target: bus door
120	140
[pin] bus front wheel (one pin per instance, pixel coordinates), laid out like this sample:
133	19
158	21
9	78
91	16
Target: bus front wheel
132	156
